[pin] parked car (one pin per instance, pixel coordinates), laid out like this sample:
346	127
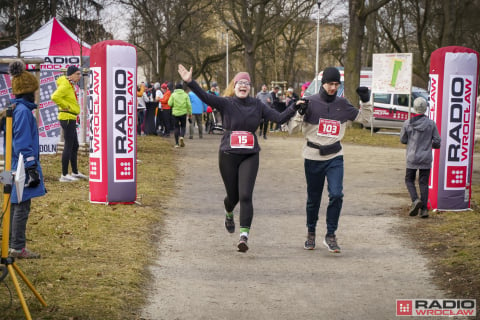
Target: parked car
391	110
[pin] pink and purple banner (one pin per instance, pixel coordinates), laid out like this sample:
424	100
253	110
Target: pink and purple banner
112	122
452	94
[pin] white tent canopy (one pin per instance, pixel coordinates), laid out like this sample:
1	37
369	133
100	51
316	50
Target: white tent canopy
52	39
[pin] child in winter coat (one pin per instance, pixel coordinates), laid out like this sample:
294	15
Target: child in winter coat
420	134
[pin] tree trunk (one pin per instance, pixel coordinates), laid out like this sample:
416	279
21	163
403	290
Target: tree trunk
250	61
358	14
449	12
354	46
17	28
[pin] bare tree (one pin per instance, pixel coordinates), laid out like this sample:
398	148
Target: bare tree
358	13
422	26
256	23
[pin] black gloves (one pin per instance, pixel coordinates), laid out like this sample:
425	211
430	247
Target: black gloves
364	94
302	107
33	178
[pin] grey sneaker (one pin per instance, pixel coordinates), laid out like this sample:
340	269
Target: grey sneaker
424	213
310	243
23	254
330	242
416	205
242	244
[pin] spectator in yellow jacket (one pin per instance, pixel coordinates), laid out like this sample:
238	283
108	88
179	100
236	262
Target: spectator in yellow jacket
66	99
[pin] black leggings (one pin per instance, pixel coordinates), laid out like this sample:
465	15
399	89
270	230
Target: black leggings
70	147
239	172
180	123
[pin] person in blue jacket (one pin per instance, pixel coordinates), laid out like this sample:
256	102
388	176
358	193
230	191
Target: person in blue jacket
198	110
25	141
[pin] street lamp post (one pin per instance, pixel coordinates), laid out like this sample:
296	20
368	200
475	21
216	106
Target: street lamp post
227	76
319	2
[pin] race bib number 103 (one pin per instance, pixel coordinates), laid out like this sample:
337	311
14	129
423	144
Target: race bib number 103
328	128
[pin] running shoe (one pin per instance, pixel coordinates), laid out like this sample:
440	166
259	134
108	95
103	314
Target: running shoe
242	244
416	205
310	243
330	242
424	213
67	178
23	254
182	143
230	224
79	175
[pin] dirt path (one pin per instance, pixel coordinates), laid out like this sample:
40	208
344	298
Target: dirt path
200	275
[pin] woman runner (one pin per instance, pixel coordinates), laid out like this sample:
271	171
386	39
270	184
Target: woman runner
239	150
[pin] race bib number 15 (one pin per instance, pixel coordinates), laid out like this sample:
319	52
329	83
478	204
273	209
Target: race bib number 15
242	139
329	128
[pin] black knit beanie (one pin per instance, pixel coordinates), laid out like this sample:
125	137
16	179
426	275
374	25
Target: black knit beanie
71	70
330	74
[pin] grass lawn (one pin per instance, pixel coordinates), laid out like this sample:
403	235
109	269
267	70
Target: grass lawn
94	256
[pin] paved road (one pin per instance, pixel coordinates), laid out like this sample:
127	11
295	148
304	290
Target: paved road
200	275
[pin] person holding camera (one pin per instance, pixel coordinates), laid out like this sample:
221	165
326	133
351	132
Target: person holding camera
25	141
239	148
324	123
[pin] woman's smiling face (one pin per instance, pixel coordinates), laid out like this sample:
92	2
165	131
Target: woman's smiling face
242	88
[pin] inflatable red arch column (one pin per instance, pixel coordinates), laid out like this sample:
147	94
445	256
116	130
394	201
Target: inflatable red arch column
452	101
112	122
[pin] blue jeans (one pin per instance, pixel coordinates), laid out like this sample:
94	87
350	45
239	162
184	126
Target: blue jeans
315	174
423	175
19	213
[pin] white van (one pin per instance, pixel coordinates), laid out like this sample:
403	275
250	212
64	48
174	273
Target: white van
391	110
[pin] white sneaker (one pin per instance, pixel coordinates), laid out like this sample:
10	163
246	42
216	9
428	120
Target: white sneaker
67	178
79	175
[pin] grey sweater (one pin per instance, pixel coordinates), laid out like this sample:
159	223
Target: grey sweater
325	122
420	134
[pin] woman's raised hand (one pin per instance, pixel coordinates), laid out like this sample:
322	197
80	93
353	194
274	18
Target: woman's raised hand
184	73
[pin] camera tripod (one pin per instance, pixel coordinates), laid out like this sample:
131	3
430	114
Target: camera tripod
6	178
